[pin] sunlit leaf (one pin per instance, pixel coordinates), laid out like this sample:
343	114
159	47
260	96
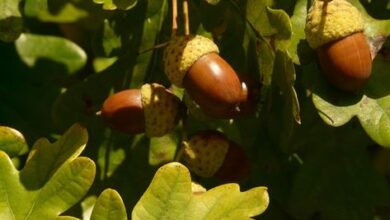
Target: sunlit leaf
32	48
52	181
12	141
109	205
169	196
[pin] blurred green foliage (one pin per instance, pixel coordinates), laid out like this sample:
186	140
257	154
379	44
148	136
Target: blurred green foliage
311	145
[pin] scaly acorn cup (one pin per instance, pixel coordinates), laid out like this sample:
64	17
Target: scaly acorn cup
152	109
210	153
193	62
335	29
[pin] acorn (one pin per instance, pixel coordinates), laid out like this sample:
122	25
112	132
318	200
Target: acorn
334	28
153	109
247	107
193	62
209	153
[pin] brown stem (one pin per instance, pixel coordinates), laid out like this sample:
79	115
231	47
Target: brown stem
154	47
184	139
174	17
186	18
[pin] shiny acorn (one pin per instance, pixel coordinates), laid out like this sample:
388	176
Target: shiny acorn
250	94
152	109
209	153
193	62
335	29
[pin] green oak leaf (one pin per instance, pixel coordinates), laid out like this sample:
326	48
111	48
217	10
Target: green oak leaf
169	196
116	4
53	179
11	22
108	206
298	22
285	107
257	15
281	27
32	48
67	12
163	149
372	108
283	69
12	141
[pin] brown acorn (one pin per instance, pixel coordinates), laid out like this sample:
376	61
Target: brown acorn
210	153
250	93
347	62
123	111
152	109
335	29
193	62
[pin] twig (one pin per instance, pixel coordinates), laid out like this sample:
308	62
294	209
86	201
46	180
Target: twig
186	18
179	153
152	48
184	139
174	17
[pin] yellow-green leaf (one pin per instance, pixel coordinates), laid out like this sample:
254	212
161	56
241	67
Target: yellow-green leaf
169	196
109	205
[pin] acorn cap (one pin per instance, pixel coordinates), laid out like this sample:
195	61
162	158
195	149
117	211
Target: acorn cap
160	109
329	20
182	52
205	153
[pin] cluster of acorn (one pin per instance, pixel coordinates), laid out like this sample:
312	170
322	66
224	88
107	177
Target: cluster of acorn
334	28
191	62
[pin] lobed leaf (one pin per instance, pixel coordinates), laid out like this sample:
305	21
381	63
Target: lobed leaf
45	158
46	196
169	196
109	205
